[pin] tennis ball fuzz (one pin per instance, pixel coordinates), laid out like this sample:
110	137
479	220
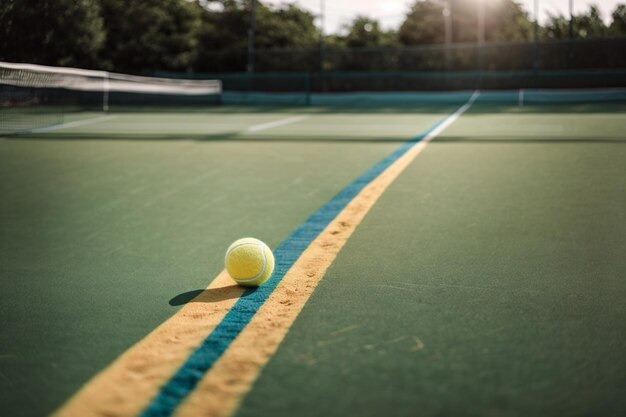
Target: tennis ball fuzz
249	262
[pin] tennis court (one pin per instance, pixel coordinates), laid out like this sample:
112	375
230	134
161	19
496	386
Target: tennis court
484	277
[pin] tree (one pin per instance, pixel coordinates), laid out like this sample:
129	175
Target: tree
423	24
618	25
146	36
286	26
223	37
225	26
590	25
557	27
364	32
585	25
505	20
52	32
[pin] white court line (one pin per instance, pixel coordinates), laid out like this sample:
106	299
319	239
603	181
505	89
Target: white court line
72	124
98	395
264	126
451	119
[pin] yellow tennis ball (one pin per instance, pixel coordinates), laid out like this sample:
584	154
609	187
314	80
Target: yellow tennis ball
249	261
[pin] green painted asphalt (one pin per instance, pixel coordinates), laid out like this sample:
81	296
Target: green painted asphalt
98	236
560	124
312	124
487	281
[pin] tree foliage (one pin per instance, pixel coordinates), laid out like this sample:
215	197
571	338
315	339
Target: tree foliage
285	26
424	24
365	32
585	25
618	25
223	36
505	20
54	32
189	35
146	35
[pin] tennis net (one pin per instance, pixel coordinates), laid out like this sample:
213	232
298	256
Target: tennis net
37	96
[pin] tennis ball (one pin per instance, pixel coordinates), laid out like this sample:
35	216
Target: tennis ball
249	262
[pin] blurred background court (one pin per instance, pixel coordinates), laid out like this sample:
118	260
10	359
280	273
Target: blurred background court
138	140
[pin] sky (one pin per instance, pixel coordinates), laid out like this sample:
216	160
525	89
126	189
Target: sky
391	12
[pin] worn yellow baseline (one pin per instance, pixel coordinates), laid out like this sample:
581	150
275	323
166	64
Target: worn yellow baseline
134	384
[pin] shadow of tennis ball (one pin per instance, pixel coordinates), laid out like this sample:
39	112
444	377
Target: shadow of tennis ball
213	295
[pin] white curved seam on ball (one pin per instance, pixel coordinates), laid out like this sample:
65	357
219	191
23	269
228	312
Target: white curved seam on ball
257	276
238	246
230	250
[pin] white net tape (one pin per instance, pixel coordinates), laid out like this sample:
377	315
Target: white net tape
40	76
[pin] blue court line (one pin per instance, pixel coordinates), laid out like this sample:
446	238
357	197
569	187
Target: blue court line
286	254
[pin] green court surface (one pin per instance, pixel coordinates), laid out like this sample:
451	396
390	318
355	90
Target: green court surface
99	235
487	280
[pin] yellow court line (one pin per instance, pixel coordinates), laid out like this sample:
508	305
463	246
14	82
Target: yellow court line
220	391
128	385
232	376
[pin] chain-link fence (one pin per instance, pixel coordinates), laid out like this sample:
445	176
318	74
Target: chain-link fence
521	56
493	66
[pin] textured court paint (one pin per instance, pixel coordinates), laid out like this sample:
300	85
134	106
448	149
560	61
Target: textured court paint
233	374
77	123
188	376
184	381
154	358
231	123
102	233
505	258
